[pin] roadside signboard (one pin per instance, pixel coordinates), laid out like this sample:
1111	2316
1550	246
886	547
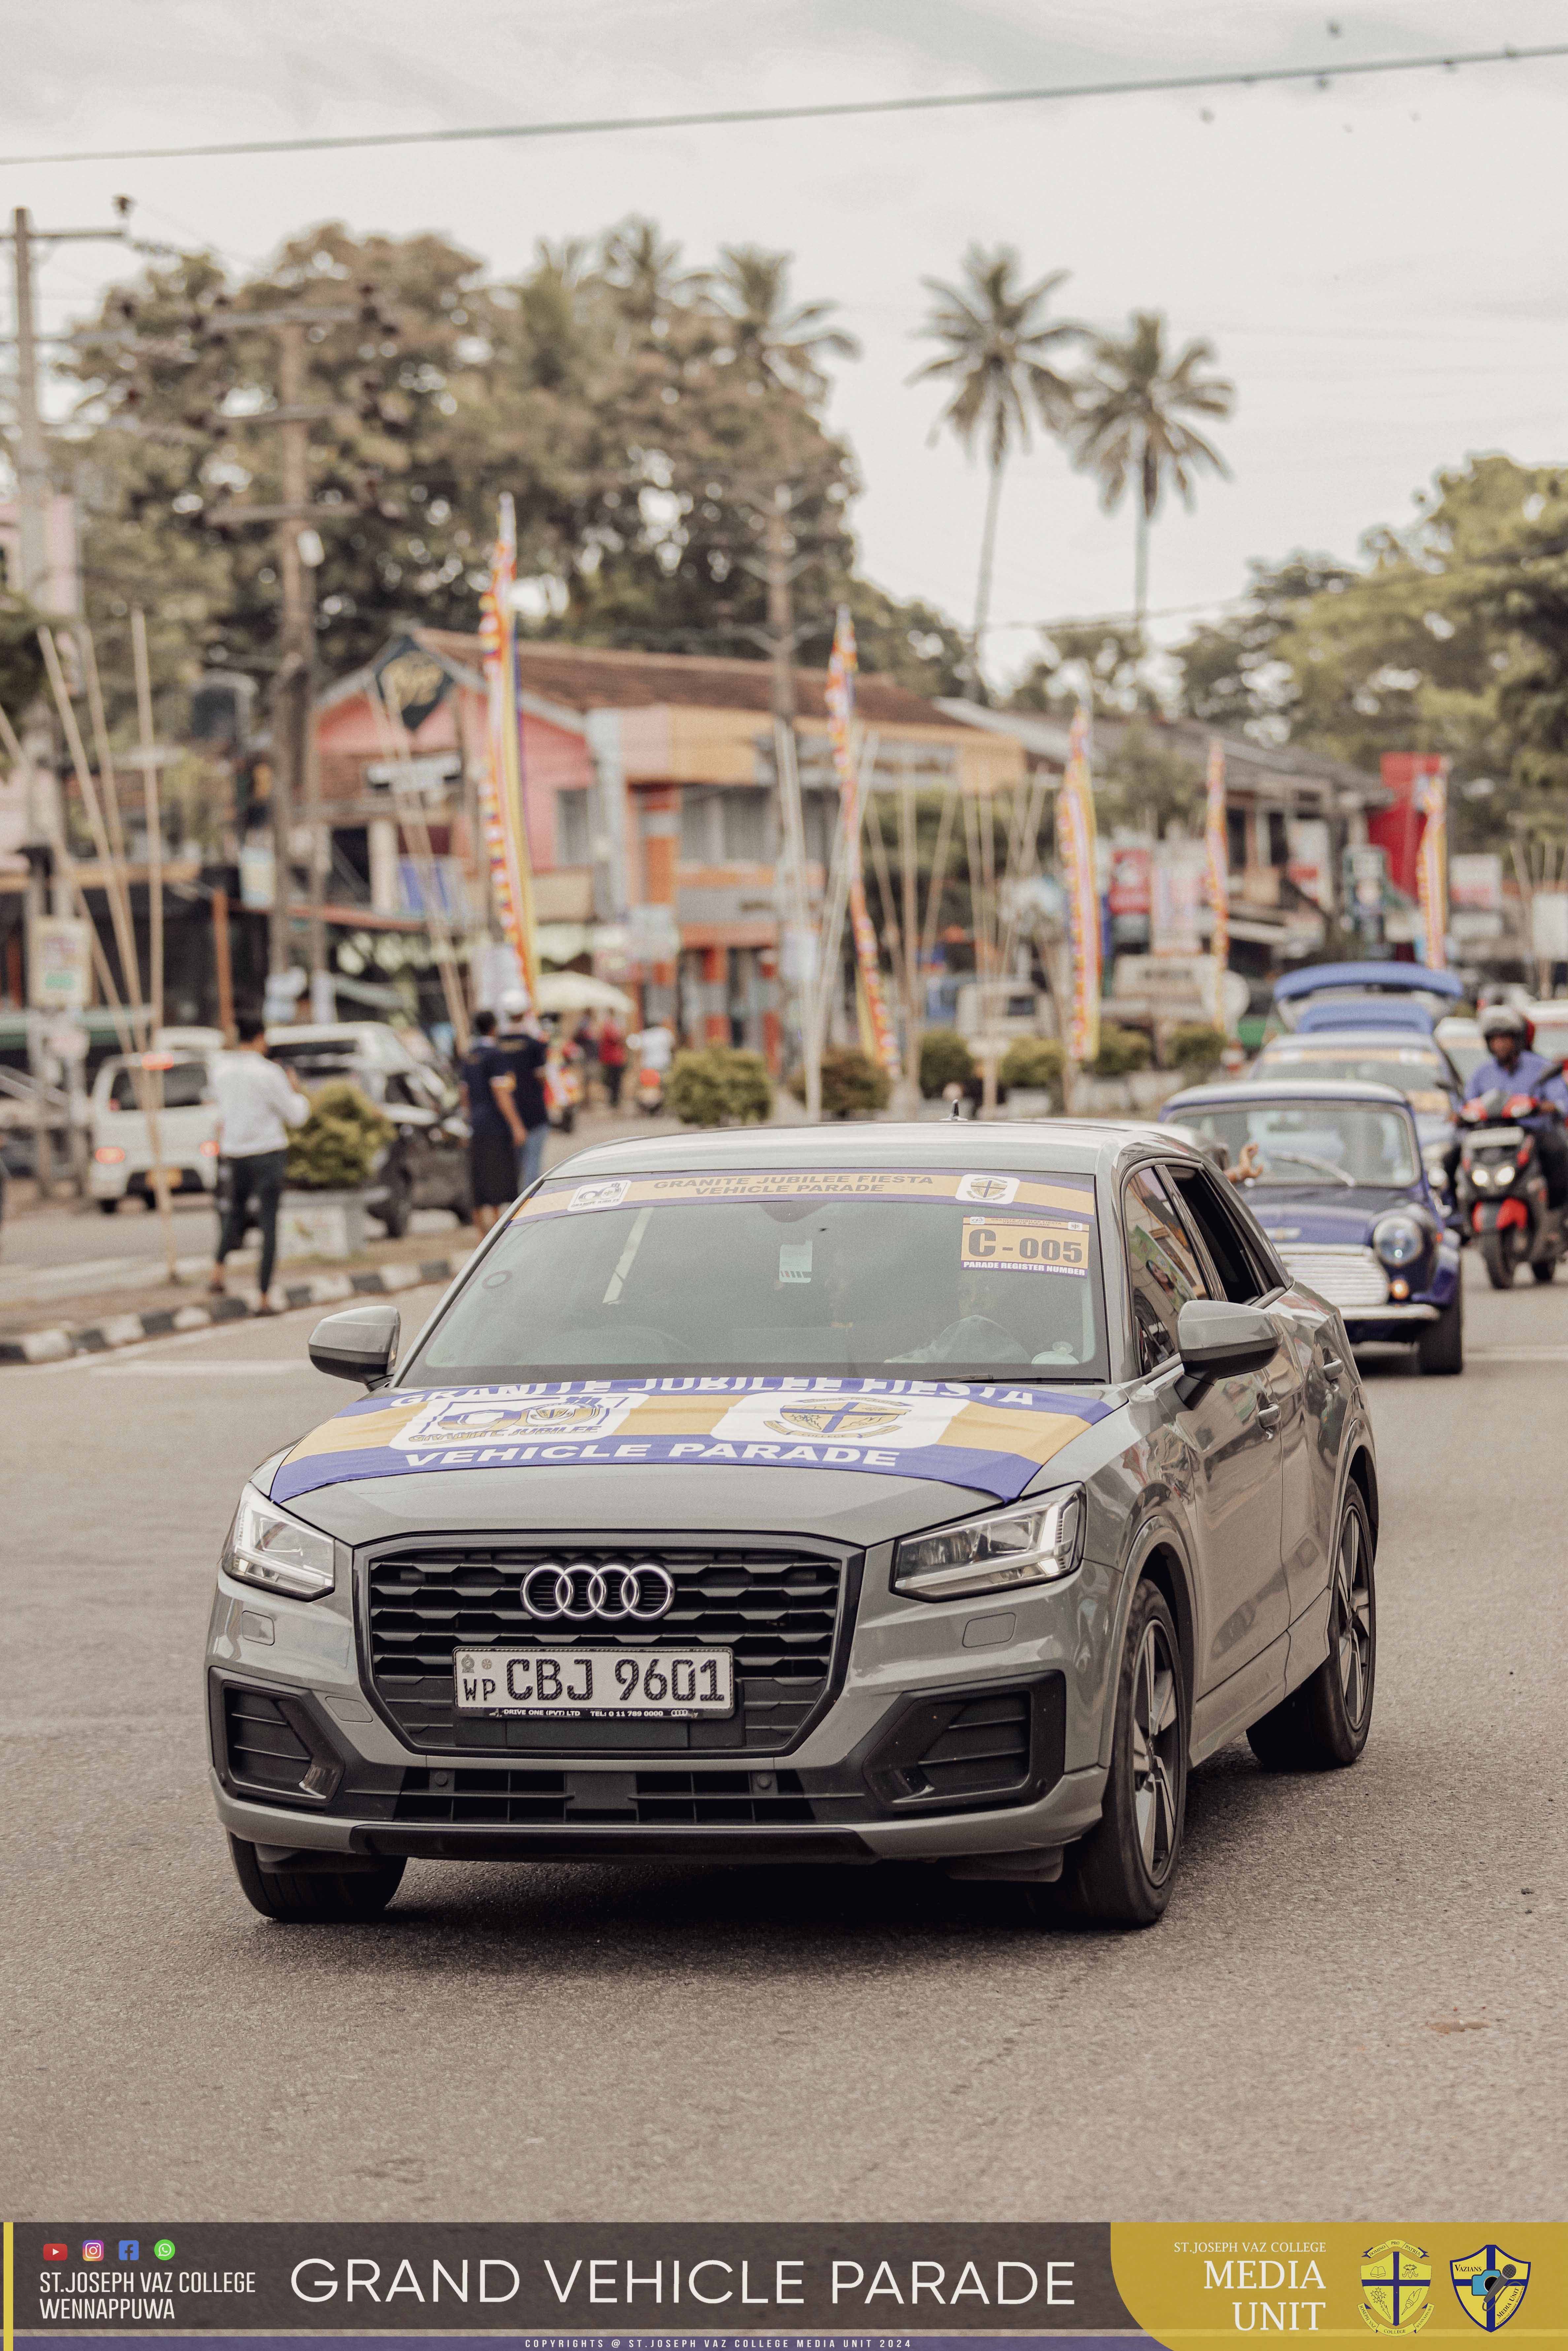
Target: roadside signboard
58	964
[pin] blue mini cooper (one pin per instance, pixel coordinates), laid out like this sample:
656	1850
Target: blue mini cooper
1334	1174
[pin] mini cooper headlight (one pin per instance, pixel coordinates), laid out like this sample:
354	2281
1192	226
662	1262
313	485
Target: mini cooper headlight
1399	1240
1037	1542
265	1546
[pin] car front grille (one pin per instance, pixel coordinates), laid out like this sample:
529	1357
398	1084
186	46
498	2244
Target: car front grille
1346	1277
509	1798
779	1612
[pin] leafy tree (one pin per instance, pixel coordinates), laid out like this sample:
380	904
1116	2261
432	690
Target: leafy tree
21	661
1231	674
1133	407
998	360
772	346
1099	658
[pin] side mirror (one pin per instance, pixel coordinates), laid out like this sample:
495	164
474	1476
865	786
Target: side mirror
360	1343
1217	1340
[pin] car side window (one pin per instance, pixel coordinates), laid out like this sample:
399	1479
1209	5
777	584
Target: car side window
1163	1268
1241	1278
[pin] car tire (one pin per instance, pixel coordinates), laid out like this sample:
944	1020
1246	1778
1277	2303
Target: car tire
1544	1272
1440	1348
1120	1874
107	1208
1324	1726
319	1896
396	1209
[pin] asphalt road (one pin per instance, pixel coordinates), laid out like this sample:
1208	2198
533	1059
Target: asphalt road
1353	2006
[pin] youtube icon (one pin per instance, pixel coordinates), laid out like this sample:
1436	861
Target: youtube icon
57	2252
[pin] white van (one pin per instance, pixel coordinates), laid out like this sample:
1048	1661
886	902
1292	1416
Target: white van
122	1155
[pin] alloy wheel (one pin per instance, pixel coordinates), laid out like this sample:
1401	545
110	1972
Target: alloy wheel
1156	1764
1353	1620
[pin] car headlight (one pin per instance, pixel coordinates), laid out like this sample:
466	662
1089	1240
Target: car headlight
1035	1542
1399	1240
265	1546
1482	1179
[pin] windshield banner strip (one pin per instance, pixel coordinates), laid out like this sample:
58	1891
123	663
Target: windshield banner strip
979	1188
987	1435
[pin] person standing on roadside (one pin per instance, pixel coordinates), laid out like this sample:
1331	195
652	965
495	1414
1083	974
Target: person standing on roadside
613	1058
258	1101
492	1144
517	1084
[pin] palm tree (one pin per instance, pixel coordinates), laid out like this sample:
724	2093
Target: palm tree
1131	406
776	348
997	354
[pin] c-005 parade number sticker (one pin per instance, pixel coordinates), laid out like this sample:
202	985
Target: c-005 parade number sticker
1023	1245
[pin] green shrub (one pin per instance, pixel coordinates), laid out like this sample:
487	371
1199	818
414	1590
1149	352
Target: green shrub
337	1147
1033	1065
852	1082
718	1085
1196	1050
944	1061
1121	1051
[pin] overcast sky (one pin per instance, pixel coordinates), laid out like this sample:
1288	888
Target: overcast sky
1379	263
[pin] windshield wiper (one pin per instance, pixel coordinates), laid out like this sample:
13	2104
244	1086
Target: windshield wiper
1322	1166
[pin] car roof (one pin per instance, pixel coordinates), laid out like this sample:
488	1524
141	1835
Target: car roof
1356	1041
1331	1090
1003	1147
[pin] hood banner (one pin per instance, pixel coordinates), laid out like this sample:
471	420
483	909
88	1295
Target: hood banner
988	1435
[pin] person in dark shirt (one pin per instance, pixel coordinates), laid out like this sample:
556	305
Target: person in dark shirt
517	1083
494	1138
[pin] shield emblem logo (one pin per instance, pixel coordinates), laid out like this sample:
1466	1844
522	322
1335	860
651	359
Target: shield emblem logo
846	1417
1395	2288
1490	2285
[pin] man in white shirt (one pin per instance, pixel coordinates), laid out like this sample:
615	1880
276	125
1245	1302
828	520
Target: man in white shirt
258	1101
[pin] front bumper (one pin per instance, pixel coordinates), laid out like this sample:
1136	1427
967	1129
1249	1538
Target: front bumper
966	1729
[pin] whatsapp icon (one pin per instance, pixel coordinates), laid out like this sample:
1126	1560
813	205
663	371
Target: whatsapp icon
164	2251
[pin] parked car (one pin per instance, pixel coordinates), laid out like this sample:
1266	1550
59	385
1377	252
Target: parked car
1342	1192
1387	984
924	1492
123	1161
426	1164
1460	1038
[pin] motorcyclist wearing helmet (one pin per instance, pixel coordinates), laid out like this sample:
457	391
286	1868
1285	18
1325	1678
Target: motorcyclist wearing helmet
1516	1069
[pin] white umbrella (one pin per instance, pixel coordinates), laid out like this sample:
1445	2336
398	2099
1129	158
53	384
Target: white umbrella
579	991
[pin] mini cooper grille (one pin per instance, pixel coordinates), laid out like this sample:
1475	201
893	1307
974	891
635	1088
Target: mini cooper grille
985	1747
777	1611
262	1749
1346	1277
503	1798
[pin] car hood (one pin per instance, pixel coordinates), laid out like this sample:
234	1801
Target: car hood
1324	1219
859	1459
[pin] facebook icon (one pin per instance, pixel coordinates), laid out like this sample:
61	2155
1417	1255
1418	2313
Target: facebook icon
131	2248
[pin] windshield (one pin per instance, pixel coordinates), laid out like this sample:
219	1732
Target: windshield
798	1271
1418	1072
1315	1141
1467	1054
184	1085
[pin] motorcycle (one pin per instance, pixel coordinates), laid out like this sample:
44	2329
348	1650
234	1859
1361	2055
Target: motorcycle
1501	1189
564	1084
650	1091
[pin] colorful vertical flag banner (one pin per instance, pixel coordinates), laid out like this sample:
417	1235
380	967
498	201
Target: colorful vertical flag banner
1431	797
505	814
883	1040
1216	847
1075	848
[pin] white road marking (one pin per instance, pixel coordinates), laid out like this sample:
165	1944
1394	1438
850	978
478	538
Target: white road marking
1523	1355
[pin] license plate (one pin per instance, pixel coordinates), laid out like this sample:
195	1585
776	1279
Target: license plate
638	1684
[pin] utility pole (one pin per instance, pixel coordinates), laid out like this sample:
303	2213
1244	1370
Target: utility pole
31	459
797	961
294	768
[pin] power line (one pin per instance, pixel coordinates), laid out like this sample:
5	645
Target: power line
594	125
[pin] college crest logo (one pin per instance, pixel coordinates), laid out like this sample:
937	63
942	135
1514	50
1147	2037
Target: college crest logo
862	1419
1395	2288
1490	2285
503	1422
989	1191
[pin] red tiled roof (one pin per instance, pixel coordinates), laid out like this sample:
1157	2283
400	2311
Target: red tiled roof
590	678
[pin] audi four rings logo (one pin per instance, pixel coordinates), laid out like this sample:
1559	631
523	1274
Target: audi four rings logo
579	1591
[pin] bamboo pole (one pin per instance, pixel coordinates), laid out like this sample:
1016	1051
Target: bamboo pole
152	810
411	813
